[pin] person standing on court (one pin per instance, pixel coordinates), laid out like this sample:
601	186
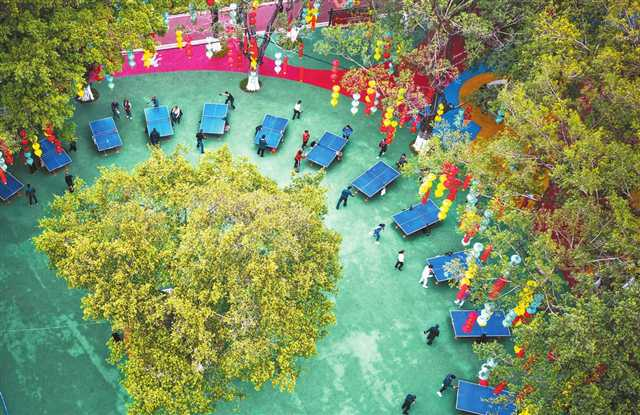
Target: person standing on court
400	261
432	332
427	273
230	100
126	104
154	101
68	179
446	383
31	194
154	137
408	401
297	110
383	147
72	146
262	145
296	160
200	141
305	138
347	131
344	196
115	110
377	230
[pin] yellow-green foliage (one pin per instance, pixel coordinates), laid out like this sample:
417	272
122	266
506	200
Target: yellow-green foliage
251	266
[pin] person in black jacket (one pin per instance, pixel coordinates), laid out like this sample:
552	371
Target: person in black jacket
68	179
262	145
432	332
408	401
154	137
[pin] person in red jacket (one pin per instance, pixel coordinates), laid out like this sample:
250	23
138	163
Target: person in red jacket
297	159
305	138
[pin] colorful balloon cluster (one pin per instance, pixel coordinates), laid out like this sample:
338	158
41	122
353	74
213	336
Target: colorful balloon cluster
355	103
444	209
51	137
425	187
485	315
439	113
371	99
278	62
147	56
485	372
389	125
131	58
109	79
335	94
527	305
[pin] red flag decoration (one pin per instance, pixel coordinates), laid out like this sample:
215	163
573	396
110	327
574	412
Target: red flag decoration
3	177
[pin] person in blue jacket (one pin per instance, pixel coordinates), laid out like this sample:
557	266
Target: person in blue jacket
347	131
344	195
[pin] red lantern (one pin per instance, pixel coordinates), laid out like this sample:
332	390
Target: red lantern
3	177
467	182
485	254
211	3
425	197
23	133
471	320
462	292
483	382
452	194
499	388
498	285
551	356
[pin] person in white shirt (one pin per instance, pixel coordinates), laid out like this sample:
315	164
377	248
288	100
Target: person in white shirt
400	261
297	110
427	273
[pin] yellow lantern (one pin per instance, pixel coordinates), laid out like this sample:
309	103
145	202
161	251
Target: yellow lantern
394	123
256	3
442	215
336	88
431	177
390	110
179	39
386	122
36	146
444	208
388	116
447	203
38	152
425	187
371	91
372	84
334	102
437	118
335	95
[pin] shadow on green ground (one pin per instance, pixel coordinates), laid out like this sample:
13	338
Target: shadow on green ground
53	362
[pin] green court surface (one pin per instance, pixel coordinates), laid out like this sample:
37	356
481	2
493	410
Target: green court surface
53	361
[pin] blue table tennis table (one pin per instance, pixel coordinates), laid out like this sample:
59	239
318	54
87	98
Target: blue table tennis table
105	134
439	262
51	160
494	327
273	129
372	181
325	151
213	118
477	399
13	186
158	118
418	217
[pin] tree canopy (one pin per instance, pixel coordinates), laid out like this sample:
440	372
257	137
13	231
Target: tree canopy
213	273
562	180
